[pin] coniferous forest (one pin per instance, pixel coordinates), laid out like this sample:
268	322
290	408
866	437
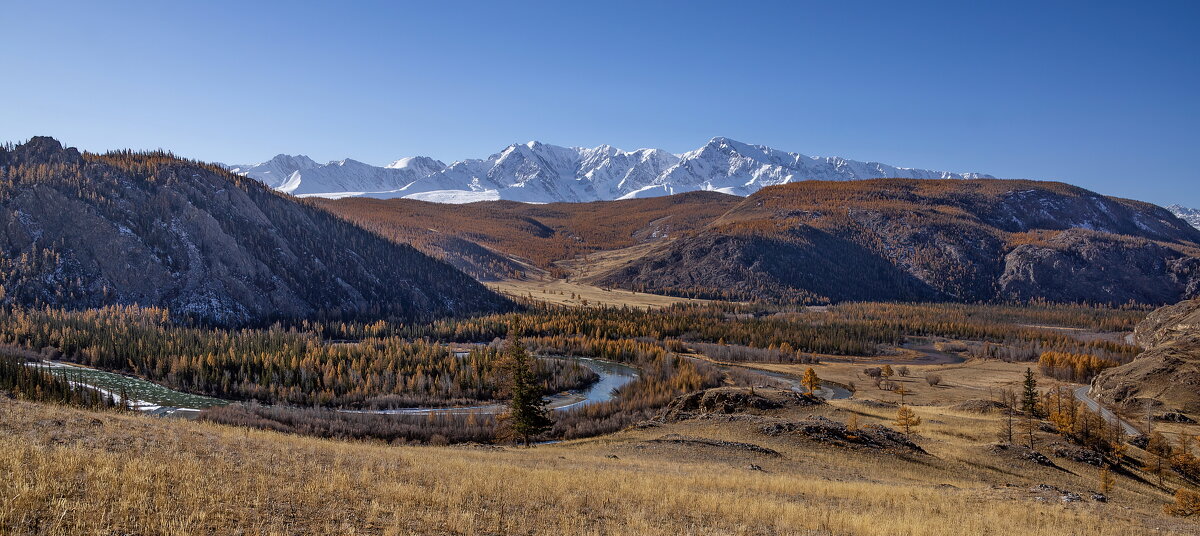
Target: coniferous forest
40	385
294	377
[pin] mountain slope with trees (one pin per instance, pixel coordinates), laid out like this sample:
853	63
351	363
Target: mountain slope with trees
900	239
483	238
81	230
820	241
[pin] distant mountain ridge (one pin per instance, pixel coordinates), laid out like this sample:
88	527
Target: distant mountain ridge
542	173
1190	215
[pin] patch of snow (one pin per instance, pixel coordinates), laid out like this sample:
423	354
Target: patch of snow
456	196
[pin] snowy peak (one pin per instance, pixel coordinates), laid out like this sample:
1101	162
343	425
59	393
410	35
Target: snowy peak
739	168
301	176
422	164
542	173
277	171
1190	215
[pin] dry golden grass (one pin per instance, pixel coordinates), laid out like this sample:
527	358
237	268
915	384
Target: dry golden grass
970	380
563	292
78	473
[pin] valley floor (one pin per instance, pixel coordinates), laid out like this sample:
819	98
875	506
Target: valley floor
68	471
565	292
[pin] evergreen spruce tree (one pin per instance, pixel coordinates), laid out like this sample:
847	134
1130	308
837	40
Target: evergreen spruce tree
527	416
1029	394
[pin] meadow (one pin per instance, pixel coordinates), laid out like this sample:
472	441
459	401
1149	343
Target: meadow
74	472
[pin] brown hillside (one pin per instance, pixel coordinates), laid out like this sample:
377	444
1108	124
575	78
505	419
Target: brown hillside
538	234
819	241
904	239
785	471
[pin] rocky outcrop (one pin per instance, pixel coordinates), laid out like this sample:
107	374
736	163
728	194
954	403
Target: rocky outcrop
717	444
1167	375
1088	266
802	265
1174	323
830	432
732	400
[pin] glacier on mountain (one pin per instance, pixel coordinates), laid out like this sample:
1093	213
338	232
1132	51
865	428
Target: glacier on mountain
541	173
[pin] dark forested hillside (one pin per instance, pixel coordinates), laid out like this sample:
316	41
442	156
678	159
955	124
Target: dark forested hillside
84	230
902	239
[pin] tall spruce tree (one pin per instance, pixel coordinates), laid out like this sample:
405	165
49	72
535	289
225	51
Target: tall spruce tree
527	415
1029	395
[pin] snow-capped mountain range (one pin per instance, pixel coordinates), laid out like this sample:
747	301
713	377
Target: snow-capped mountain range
1189	215
542	173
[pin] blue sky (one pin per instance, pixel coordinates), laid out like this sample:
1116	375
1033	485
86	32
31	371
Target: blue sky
1092	93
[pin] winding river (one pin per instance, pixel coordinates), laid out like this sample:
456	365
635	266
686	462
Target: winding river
612	376
827	390
142	395
156	399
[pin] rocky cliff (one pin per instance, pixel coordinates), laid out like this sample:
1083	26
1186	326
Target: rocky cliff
1167	375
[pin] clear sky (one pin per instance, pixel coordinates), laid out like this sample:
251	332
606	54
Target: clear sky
1102	95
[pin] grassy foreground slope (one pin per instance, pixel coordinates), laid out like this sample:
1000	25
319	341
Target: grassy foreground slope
76	472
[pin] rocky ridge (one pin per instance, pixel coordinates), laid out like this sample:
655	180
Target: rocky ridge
1166	377
84	230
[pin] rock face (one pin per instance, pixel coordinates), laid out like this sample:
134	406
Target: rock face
82	230
829	432
802	265
1079	265
897	239
1167	375
732	400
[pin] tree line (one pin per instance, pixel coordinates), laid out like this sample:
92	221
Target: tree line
1078	368
272	365
39	384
